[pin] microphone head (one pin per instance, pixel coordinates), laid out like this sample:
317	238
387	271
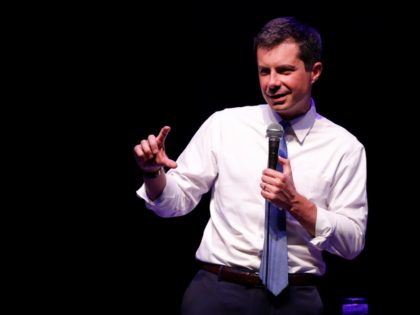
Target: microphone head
275	130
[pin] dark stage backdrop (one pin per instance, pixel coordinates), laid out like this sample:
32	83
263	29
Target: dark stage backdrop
152	67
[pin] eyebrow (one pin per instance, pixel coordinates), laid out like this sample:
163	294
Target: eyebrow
280	68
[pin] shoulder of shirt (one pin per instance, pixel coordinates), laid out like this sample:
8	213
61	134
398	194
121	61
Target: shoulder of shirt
229	116
248	114
338	132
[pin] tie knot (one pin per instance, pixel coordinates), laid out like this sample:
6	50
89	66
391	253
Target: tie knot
285	124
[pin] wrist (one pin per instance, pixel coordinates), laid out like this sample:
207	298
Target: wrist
154	174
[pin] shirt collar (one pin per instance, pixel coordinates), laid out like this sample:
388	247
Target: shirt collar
302	124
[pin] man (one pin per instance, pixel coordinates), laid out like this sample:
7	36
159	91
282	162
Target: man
322	185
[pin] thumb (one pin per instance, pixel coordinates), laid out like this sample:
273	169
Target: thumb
285	163
170	163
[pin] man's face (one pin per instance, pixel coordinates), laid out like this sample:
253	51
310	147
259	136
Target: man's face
285	84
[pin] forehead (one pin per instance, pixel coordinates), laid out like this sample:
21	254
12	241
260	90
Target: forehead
286	52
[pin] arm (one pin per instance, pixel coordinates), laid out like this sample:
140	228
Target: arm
339	225
177	192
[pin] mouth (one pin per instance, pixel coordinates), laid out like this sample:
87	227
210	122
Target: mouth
278	99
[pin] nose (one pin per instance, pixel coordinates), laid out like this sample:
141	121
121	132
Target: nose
273	83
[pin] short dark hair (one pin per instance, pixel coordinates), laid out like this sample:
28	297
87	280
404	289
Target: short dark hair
282	29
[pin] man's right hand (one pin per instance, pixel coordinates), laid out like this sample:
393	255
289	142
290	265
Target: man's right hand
150	153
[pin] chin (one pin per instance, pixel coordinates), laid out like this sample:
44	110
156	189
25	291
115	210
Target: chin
279	107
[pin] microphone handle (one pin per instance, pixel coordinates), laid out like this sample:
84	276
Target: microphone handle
273	149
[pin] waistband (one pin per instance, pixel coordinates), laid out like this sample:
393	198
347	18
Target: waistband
249	278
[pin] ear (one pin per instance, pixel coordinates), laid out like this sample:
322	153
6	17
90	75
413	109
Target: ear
316	71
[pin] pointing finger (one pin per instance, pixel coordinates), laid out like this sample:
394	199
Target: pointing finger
160	139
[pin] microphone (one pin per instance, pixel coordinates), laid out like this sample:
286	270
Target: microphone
274	132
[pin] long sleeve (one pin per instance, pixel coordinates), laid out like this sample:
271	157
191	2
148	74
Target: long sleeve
194	176
341	228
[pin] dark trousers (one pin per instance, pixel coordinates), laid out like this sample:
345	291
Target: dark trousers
207	295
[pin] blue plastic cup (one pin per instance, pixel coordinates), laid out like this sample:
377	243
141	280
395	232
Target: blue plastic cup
355	306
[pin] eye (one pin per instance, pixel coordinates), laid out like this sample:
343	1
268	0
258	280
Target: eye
264	71
286	72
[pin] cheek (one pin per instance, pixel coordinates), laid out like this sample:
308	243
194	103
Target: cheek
299	86
263	83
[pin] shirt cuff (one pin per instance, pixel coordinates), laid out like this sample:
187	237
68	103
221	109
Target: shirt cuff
163	205
324	229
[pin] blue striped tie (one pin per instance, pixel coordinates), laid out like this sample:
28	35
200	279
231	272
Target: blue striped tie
274	265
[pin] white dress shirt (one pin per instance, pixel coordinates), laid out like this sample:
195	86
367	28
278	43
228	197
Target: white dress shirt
227	156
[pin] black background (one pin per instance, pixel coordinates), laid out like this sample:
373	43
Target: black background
117	74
